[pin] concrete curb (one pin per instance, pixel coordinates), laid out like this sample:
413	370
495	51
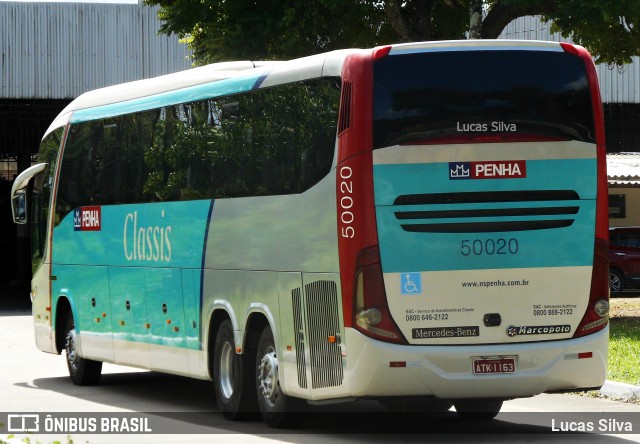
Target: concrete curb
620	390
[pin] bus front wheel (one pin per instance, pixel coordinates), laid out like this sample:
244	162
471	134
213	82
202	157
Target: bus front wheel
278	409
82	371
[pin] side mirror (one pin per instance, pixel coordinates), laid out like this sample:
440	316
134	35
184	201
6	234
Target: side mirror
19	202
19	207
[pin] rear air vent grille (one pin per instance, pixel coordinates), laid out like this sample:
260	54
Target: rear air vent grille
323	322
316	321
518	215
485	197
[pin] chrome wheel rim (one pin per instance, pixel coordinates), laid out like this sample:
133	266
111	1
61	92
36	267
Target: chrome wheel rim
70	347
268	377
614	282
226	370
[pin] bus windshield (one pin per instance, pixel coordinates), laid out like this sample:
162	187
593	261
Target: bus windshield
459	96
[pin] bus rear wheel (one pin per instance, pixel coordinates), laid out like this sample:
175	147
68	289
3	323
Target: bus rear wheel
277	409
231	381
408	404
478	409
82	371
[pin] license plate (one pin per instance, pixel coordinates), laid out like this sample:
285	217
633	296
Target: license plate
491	366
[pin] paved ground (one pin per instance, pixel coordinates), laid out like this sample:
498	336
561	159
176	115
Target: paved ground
33	381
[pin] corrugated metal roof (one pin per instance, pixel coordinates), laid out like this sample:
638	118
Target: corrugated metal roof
623	168
60	50
617	84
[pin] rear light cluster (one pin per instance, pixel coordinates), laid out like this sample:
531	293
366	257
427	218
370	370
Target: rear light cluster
371	314
597	315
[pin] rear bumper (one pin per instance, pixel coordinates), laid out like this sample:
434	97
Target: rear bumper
446	371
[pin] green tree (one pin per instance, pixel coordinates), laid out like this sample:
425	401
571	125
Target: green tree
266	29
219	30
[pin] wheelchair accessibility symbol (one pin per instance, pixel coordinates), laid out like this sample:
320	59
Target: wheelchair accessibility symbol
411	283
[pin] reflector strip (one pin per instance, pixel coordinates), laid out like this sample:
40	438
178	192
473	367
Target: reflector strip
397	364
583	355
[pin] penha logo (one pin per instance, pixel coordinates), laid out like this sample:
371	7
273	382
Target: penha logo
497	169
87	218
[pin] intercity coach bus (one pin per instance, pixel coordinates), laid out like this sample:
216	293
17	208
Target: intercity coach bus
412	222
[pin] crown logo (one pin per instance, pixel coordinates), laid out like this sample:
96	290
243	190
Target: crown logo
459	171
76	218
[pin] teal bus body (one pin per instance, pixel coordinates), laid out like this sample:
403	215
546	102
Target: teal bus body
150	249
396	180
191	94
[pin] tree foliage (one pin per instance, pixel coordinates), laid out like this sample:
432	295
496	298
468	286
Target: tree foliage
268	29
219	30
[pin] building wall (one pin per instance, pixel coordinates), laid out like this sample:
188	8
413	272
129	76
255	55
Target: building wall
631	206
60	50
617	84
620	91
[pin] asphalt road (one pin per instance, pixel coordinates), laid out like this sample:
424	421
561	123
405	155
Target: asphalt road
35	382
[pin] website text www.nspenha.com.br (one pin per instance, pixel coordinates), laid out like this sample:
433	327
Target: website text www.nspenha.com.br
496	283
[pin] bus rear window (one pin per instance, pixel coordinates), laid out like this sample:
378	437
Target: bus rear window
457	96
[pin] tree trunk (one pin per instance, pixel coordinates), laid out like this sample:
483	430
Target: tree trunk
500	15
475	19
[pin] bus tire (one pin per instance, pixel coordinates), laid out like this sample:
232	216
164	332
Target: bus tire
416	404
82	371
229	375
278	410
478	409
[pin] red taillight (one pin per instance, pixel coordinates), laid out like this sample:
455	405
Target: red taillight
597	315
371	312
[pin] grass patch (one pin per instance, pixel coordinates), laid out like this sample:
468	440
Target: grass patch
624	350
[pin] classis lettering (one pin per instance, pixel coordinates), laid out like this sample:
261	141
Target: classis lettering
151	243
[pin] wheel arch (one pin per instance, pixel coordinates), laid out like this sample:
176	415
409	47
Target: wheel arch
257	318
217	317
63	308
256	323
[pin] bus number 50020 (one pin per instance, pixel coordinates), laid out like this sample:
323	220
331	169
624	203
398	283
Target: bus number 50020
346	203
479	247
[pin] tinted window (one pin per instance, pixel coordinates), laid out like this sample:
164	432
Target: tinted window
442	95
626	239
40	202
272	141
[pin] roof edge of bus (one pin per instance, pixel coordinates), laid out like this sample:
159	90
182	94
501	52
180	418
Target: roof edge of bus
470	45
163	83
271	72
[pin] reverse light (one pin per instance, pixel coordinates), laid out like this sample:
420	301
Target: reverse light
369	317
601	308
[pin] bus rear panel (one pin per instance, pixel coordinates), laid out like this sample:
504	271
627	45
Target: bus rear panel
478	268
